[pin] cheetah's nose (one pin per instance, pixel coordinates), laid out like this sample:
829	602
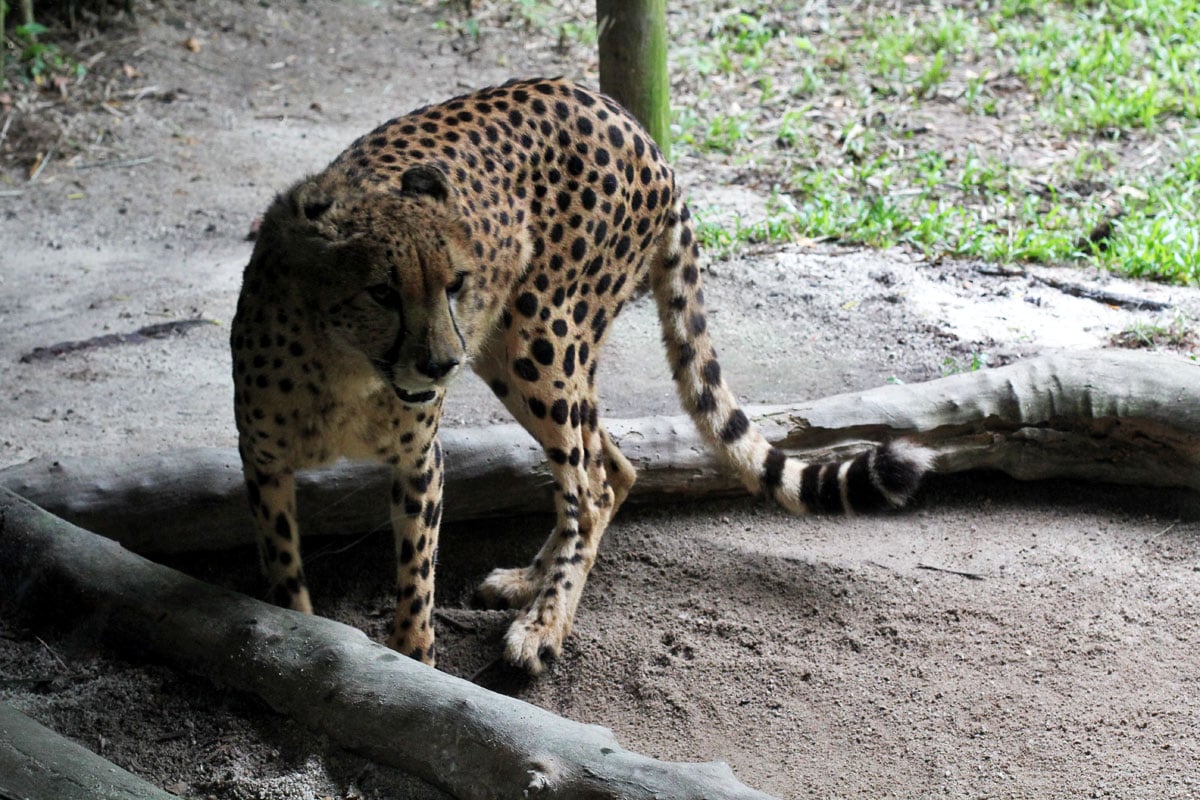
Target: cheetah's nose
437	369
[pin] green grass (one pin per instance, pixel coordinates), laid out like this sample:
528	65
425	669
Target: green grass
1092	86
40	63
721	133
1159	235
1175	330
955	366
1107	66
567	23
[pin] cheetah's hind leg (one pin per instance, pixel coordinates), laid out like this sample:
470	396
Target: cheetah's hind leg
510	587
563	419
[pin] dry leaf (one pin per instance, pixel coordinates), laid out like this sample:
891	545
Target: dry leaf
37	165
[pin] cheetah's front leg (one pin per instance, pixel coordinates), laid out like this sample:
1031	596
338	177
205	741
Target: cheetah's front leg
416	519
273	503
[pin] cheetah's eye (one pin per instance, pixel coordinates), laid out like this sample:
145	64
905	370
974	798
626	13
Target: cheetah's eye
384	295
456	285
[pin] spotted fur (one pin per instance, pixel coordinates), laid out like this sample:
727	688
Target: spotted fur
504	229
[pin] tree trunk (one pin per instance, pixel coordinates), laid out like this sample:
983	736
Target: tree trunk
35	762
1110	416
633	62
471	742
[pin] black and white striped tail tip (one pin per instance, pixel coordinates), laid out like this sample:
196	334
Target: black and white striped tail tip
886	477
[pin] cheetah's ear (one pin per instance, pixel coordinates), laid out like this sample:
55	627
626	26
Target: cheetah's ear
424	179
311	201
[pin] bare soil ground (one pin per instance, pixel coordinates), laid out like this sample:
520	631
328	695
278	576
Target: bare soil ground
820	657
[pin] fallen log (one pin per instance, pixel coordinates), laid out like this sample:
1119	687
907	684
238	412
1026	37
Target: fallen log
36	762
473	743
1117	416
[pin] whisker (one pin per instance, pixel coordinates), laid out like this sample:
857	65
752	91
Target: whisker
332	550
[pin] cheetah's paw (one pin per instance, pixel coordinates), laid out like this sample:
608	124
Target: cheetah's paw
530	644
507	588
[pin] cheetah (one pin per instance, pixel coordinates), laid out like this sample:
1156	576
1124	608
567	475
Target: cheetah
502	230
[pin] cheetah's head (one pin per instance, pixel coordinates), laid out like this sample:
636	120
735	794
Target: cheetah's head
378	271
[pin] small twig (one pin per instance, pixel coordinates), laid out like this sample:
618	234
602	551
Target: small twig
87	65
475	675
1002	271
973	576
453	623
127	162
49	650
330	550
1162	533
140	336
138	94
41	166
286	117
4	130
1104	296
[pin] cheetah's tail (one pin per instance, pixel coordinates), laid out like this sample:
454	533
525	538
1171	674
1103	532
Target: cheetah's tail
885	476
